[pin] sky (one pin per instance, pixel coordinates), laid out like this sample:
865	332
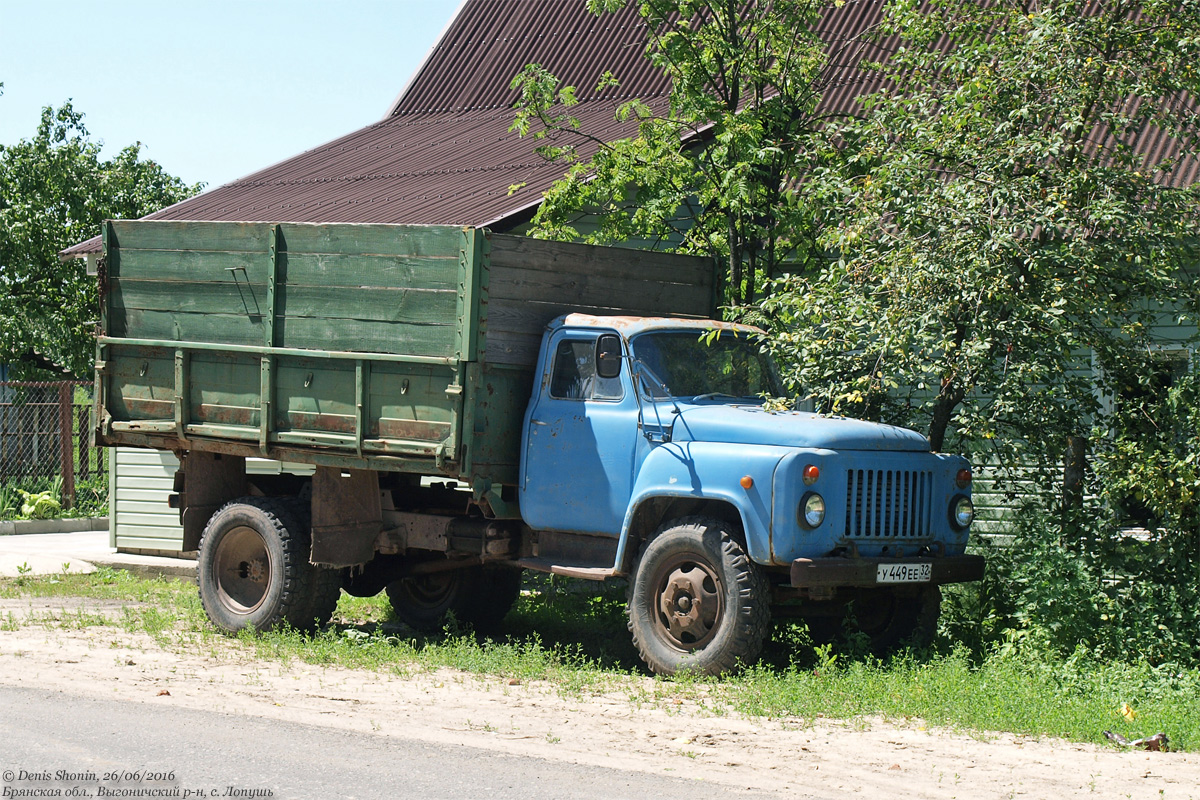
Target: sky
213	89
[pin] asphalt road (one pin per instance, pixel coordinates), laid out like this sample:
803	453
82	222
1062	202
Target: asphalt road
98	742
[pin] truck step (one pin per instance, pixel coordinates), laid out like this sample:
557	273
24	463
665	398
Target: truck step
567	570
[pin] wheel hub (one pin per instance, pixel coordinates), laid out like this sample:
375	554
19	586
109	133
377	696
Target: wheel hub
242	568
689	605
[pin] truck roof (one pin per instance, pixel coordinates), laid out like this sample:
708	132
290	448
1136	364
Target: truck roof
631	326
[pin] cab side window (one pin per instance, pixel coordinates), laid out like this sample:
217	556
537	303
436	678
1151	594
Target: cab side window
574	376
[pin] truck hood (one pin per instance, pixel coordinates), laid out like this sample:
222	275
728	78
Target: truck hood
747	424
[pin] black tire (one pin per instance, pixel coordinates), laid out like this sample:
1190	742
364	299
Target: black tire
253	569
326	582
477	596
889	618
696	602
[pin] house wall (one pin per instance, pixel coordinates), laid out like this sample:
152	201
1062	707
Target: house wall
140	483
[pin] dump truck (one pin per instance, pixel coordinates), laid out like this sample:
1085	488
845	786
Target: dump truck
475	404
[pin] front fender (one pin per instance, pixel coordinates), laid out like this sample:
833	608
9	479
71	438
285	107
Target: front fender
712	471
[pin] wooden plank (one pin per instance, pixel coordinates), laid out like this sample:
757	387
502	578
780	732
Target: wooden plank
226	413
225	432
424	306
367	336
137	408
610	262
514	349
182	326
334	269
367	239
510	283
529	317
191	265
191	297
176	235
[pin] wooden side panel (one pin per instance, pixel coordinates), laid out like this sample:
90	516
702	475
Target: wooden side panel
203	282
353	342
500	398
356	288
142	381
224	389
534	281
369	288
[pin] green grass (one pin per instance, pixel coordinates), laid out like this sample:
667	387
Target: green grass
573	635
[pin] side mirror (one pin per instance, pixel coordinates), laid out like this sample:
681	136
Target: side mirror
608	356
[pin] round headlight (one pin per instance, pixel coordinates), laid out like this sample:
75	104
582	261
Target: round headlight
812	510
962	512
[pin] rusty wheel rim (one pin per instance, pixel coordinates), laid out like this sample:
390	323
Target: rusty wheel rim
242	567
689	603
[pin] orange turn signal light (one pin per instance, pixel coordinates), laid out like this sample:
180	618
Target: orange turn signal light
810	474
747	482
963	478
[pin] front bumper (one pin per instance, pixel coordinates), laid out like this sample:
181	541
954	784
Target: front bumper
813	573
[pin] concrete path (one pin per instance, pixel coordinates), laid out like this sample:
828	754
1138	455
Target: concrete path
53	553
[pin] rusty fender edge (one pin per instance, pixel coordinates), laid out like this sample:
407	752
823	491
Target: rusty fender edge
810	573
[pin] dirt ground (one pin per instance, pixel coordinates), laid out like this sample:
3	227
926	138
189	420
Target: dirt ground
795	758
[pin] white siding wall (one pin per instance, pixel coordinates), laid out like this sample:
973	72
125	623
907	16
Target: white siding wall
141	481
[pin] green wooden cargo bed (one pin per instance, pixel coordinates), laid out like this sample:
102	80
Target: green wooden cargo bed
388	347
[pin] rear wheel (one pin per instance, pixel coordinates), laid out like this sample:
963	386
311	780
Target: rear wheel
477	596
889	618
253	569
696	602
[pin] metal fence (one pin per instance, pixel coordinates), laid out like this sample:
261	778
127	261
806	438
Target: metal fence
44	439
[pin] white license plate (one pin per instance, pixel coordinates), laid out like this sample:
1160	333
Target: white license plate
904	573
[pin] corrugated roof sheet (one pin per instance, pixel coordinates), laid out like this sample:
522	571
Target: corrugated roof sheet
444	154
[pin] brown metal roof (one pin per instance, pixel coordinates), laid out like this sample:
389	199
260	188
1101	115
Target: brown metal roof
444	154
473	64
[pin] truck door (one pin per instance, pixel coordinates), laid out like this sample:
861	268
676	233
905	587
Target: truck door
580	442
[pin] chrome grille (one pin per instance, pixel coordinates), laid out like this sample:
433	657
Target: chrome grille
889	504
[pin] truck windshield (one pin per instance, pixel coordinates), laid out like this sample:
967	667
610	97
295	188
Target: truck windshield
686	365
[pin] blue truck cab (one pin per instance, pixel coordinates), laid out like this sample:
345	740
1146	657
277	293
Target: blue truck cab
648	453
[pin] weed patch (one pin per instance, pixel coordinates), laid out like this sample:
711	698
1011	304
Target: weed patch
572	636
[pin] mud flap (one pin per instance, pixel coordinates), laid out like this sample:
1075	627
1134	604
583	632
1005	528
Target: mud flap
347	516
204	483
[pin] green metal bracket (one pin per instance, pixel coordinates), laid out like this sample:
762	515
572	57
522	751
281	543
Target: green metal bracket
182	411
362	377
266	386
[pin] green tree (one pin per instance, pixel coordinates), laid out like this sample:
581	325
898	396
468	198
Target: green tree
997	226
55	189
710	172
1003	252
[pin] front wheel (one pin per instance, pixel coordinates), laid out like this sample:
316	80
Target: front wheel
696	602
253	569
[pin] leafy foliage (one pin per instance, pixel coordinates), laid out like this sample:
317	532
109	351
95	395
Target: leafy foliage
710	171
995	224
1003	255
42	505
55	190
